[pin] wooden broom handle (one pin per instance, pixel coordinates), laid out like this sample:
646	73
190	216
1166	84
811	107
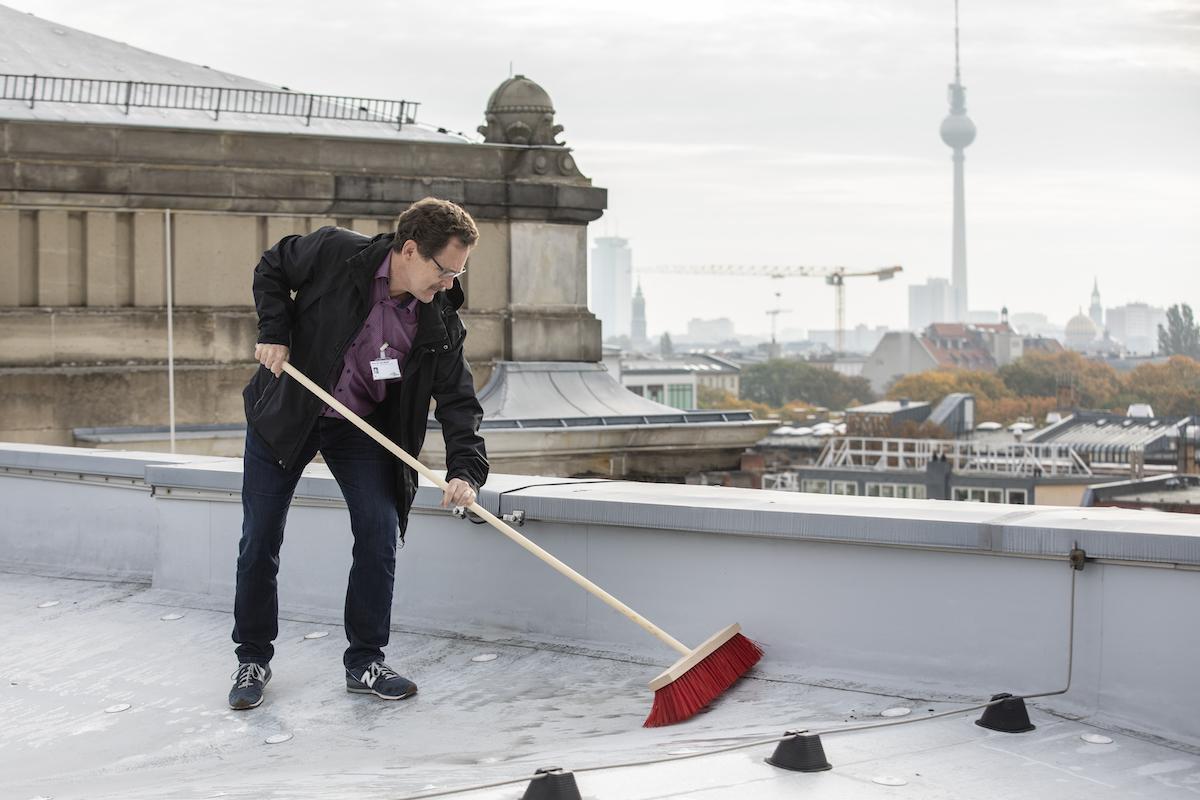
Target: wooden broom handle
491	518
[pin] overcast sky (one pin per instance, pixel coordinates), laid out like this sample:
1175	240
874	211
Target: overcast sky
793	133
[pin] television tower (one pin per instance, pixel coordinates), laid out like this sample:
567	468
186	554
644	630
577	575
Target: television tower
958	131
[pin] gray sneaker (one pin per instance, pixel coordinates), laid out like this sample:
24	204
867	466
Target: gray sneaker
379	679
248	684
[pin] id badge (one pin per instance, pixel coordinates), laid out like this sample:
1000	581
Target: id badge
384	368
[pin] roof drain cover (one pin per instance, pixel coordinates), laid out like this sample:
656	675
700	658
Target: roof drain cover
800	753
552	783
1007	717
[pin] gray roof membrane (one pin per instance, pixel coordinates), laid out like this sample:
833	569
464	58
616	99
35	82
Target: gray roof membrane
471	723
113	689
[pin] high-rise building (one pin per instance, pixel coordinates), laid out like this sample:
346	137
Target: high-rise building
958	131
1031	323
1136	326
612	286
932	301
638	326
710	331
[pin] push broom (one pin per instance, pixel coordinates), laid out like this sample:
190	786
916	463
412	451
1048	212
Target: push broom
690	684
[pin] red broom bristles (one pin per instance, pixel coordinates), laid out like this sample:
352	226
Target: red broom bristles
693	690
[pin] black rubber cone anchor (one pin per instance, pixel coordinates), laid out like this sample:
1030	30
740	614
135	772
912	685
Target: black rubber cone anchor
801	753
1007	717
551	783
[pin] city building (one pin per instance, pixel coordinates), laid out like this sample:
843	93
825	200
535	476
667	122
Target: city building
943	345
859	339
676	380
710	331
954	415
1095	310
1174	493
637	335
612	286
1081	332
983	317
1117	442
1135	325
1017	473
930	302
100	202
1056	465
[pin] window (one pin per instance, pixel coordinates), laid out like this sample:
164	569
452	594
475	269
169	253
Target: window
655	393
814	486
679	395
845	487
913	490
984	494
636	389
1017	497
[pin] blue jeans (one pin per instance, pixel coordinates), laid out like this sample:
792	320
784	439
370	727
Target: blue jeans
366	474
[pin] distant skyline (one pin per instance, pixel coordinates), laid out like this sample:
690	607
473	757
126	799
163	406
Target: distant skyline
805	133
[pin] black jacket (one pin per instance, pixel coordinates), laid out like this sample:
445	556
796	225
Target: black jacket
312	294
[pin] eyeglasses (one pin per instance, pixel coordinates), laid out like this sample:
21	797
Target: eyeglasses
444	273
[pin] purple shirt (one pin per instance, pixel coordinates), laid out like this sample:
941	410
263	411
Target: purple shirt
389	322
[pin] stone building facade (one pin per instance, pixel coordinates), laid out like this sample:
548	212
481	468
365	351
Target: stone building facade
93	213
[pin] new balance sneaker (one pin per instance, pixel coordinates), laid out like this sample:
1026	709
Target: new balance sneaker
379	679
248	684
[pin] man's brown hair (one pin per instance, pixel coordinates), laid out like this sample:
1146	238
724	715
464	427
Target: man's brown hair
431	223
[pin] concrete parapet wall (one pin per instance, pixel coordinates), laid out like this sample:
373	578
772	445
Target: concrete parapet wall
917	598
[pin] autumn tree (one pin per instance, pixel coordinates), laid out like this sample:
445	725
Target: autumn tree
1006	410
1171	389
1039	375
724	400
780	381
1181	336
934	384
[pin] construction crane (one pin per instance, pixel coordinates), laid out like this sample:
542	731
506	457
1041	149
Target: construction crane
834	276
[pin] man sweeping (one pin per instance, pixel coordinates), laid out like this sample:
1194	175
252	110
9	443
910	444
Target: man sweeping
375	320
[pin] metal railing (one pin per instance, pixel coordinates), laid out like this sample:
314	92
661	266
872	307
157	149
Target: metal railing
1016	458
215	100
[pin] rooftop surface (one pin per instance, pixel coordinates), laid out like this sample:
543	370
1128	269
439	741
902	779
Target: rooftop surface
35	46
106	644
1112	435
116	574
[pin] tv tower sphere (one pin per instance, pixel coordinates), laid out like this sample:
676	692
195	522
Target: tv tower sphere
958	130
